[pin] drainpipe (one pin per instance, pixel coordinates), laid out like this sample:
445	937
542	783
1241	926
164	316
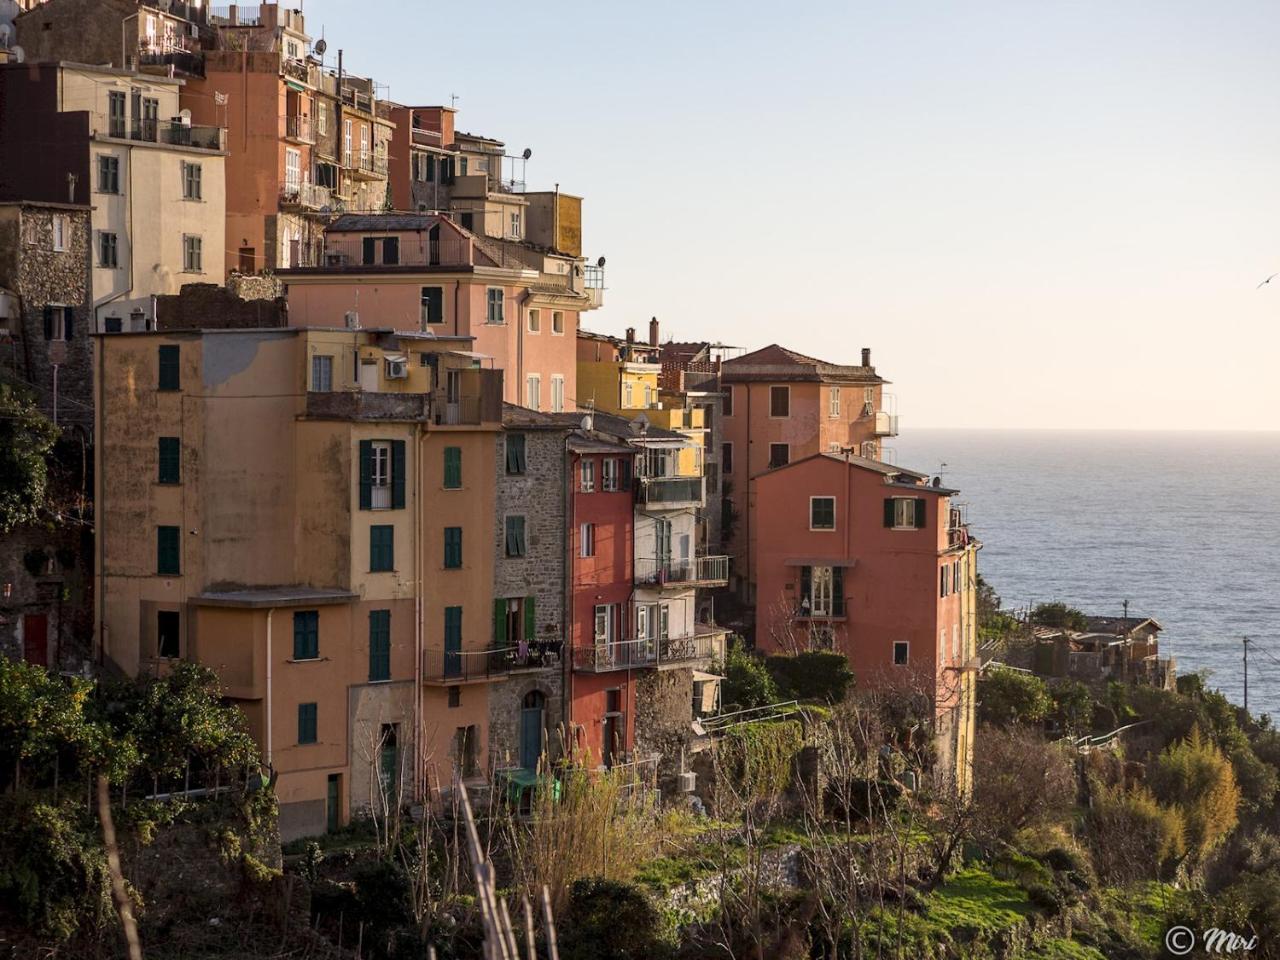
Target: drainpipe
571	513
418	768
268	736
99	520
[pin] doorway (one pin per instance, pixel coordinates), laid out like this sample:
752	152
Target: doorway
532	715
35	639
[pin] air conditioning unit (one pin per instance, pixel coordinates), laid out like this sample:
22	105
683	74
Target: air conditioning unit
352	320
397	369
688	782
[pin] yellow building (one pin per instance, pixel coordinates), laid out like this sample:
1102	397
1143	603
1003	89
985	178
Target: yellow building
274	503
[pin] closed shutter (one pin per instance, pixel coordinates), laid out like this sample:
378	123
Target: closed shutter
379	645
170	378
837	591
170	460
530	618
499	624
366	474
806	587
397	474
391	250
452	468
626	473
48	323
167	551
369	248
920	514
888	511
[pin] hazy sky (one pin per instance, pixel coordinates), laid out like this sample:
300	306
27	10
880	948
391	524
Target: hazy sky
1042	214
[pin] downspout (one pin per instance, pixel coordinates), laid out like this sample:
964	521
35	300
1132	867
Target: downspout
418	771
270	768
571	513
520	319
99	514
457	286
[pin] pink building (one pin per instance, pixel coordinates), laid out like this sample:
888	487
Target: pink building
876	563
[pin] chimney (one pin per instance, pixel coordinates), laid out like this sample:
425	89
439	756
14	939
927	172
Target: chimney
631	334
866	356
653	332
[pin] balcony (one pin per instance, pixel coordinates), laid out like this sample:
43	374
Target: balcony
357	100
298	129
886	424
593	284
365	165
308	196
704	644
361	405
451	667
403	251
296	70
696	572
671	492
149	130
477	399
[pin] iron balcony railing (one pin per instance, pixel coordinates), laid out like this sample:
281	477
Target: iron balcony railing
704	644
666	571
307	195
360	101
671	491
458	666
149	130
417	250
298	128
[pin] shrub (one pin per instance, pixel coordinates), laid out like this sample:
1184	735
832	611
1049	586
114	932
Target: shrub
1194	775
1058	615
1072	707
746	681
814	675
1010	696
1020	781
610	920
1132	835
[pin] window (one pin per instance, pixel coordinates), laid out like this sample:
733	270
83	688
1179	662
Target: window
327	175
379	645
346	142
453	468
382	474
587	472
322	118
61	231
557	321
557	394
904	513
727	402
192	188
168	548
322	373
822	513
168	643
822	591
58	322
382	553
833	403
609	475
108	174
108	250
169	368
900	649
533	387
306	635
455	697
192	254
726	458
170	459
587	540
944	580
453	548
467	220
515	536
115	113
515	454
306	723
494	312
535	321
628	394
955	576
515	224
432	305
603	630
779	454
779	401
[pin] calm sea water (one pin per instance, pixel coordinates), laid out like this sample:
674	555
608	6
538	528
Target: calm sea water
1184	526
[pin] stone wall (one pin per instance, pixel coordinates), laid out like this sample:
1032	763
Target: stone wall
663	721
59	591
207	306
538	495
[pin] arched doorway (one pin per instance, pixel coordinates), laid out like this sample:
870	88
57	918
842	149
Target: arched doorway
532	711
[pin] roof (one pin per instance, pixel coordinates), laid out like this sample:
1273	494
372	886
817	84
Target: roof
776	362
1120	626
296	596
360	222
888	470
516	416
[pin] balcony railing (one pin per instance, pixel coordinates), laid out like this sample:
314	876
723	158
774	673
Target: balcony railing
307	195
365	164
166	131
460	666
295	70
667	572
298	128
356	99
193	12
183	61
706	643
671	491
886	424
366	405
402	251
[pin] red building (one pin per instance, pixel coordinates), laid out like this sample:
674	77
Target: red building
602	684
876	563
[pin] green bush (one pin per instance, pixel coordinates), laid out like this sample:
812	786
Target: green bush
746	681
1195	777
610	920
1059	615
814	675
1011	696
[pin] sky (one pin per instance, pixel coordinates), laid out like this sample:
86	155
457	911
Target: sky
1036	215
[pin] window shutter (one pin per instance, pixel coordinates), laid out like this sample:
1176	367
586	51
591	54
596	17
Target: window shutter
452	467
837	591
397	474
68	323
366	474
48	323
921	518
626	473
530	618
888	511
368	250
806	586
499	624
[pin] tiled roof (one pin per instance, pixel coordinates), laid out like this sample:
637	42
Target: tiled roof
888	470
776	362
360	222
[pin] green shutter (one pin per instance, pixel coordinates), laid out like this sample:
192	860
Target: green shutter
499	624
837	591
382	548
530	618
170	460
169	379
397	474
167	551
379	645
806	586
626	473
366	474
921	517
452	547
888	511
453	468
306	723
48	323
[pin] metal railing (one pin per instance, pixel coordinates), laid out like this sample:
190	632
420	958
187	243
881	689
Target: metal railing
651	652
298	128
413	251
669	491
353	98
150	130
449	666
295	70
307	195
365	163
886	424
245	16
182	60
668	571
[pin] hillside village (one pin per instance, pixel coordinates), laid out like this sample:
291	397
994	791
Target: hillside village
337	452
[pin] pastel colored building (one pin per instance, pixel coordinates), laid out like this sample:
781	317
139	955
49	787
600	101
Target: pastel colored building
779	406
874	562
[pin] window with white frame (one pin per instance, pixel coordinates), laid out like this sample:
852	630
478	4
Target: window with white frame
108	249
322	117
603	629
535	320
557	321
380	476
908	513
821	592
494	305
587	472
192	254
346	141
292	170
628	394
955	641
515	225
648	396
322	373
833	402
61	233
587	540
557	394
533	391
192	174
609	475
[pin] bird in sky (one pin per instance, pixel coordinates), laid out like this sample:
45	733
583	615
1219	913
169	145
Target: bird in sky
1266	281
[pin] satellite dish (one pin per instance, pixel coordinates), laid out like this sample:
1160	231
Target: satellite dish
527	153
321	46
600	262
587	422
186	117
19	55
640	425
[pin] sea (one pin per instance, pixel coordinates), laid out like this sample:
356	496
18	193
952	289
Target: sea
1185	527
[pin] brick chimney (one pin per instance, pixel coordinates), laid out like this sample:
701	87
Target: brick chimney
866	356
653	332
631	334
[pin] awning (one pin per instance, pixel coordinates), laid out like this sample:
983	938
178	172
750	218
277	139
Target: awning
470	354
845	562
395	358
699	675
295	86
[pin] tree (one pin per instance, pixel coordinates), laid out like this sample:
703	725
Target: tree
1021	781
1131	834
1196	777
1072	707
26	439
813	675
1011	696
609	919
1059	615
747	683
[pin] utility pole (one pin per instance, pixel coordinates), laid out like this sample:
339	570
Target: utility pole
1246	674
